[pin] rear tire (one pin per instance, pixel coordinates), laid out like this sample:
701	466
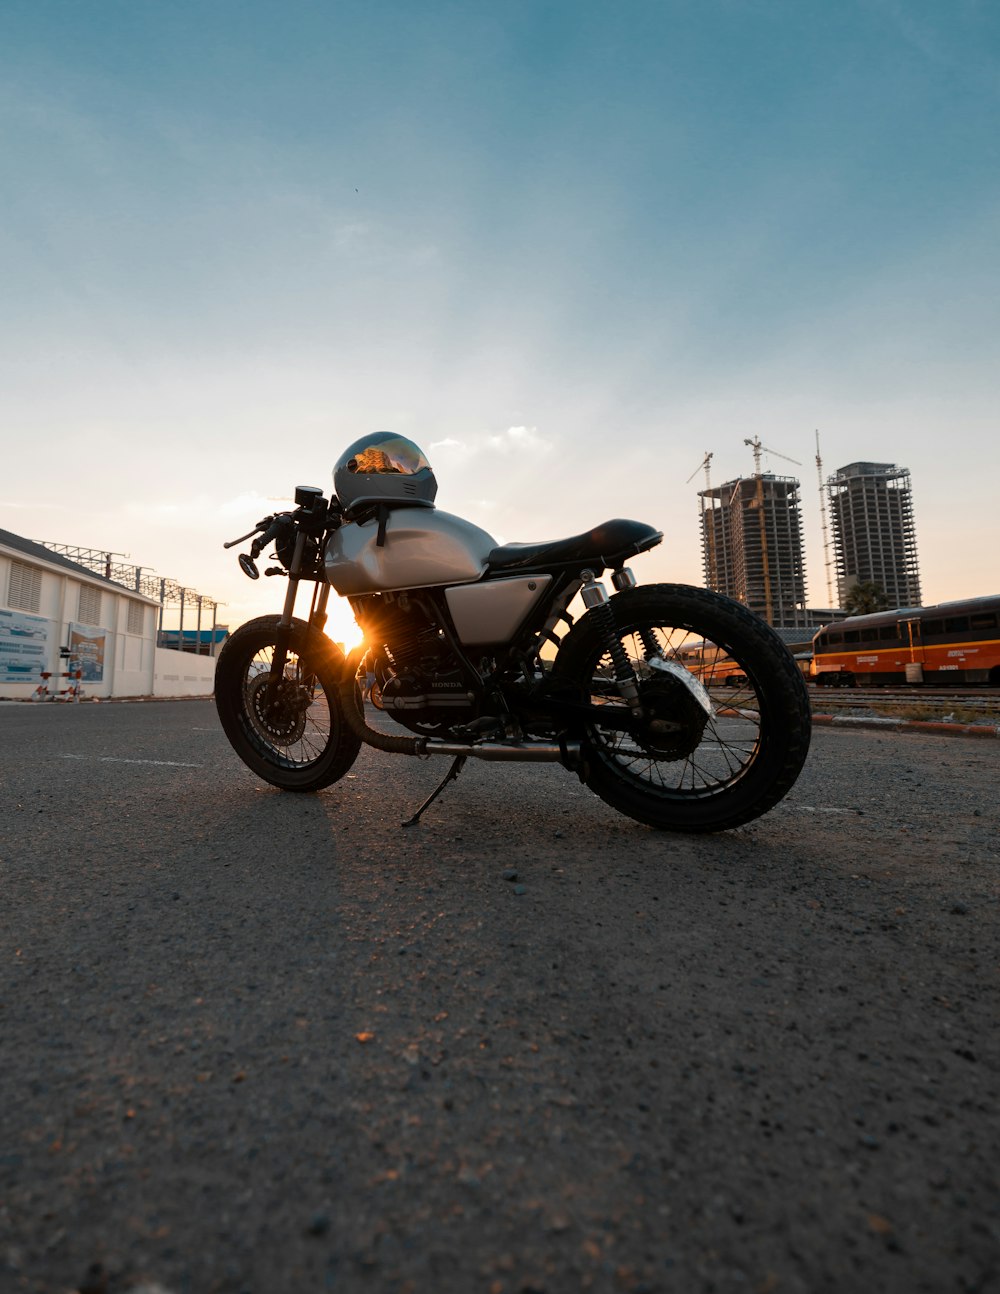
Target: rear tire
300	743
690	771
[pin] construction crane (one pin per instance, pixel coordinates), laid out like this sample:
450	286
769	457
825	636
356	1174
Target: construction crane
822	516
758	449
705	463
707	530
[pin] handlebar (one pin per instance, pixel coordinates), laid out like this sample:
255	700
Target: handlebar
277	529
313	517
271	527
233	542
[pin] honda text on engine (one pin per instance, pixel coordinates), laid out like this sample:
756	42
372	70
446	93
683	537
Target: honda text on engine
677	706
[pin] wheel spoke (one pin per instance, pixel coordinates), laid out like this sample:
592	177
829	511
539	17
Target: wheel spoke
711	741
296	728
289	730
710	758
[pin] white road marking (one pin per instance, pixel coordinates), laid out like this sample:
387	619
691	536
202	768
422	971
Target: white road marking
112	759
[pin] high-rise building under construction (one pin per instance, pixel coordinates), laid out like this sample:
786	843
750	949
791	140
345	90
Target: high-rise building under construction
874	540
752	546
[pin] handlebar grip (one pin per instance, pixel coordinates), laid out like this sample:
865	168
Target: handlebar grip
275	531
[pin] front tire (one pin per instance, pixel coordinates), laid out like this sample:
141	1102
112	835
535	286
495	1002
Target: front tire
300	741
688	770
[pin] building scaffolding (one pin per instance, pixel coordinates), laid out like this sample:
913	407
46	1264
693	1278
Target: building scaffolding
827	560
752	526
168	593
874	536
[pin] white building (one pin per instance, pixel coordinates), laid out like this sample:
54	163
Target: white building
61	619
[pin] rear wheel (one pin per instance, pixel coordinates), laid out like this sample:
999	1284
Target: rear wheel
700	760
293	735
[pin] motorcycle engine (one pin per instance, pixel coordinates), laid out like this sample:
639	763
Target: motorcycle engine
419	676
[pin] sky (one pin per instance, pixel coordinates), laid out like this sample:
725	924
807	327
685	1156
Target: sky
568	247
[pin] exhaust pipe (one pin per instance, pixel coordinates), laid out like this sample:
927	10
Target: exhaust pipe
537	752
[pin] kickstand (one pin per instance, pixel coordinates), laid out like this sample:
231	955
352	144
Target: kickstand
450	776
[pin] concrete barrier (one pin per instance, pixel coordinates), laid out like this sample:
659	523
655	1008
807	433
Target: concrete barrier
181	673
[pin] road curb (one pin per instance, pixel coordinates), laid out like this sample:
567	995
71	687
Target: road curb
908	725
103	700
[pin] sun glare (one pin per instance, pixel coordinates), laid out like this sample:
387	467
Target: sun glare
341	627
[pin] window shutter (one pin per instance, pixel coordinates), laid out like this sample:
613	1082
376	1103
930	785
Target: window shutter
90	605
25	588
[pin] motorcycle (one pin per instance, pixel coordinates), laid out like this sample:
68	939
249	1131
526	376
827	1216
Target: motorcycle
674	704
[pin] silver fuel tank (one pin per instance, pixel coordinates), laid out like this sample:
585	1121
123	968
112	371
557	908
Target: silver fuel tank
423	547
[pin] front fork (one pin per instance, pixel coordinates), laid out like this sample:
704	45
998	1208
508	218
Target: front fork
283	635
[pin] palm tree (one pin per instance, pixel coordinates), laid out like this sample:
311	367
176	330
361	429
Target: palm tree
865	597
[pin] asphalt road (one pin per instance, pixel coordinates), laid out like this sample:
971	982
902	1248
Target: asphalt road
264	1042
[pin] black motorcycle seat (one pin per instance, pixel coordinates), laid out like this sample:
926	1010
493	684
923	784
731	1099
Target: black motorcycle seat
610	544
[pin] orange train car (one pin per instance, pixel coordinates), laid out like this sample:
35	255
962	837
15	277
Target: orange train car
953	642
711	665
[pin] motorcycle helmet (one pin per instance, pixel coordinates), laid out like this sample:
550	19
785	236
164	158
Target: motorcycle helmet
383	468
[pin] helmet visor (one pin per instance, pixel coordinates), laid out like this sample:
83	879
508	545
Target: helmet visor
397	455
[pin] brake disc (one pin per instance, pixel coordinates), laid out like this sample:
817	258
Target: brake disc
284	721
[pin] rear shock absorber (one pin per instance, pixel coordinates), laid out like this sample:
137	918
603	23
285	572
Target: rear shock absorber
624	579
595	599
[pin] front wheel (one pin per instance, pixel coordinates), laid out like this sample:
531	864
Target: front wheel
293	735
721	740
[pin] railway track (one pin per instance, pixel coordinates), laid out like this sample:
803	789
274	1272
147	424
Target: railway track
912	691
967	703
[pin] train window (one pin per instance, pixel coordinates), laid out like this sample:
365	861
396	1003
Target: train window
956	624
985	620
933	628
888	633
836	638
852	636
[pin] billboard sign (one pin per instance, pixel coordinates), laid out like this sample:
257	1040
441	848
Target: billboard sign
86	652
24	641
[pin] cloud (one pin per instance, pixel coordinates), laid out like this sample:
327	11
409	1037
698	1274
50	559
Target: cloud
380	244
425	254
348	238
519	440
16	505
252	502
197	509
